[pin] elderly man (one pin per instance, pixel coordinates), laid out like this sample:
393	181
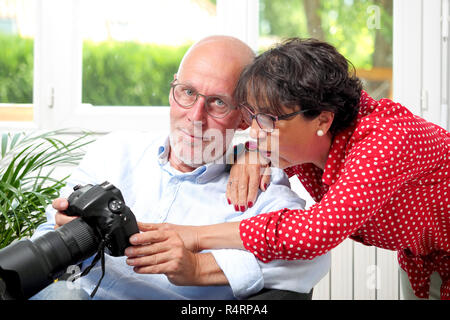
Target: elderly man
181	179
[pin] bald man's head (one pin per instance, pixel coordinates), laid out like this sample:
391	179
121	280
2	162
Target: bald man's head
203	111
223	52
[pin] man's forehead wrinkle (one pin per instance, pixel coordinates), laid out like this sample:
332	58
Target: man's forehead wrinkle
200	75
217	93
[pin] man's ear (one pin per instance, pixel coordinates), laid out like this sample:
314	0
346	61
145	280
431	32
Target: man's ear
174	76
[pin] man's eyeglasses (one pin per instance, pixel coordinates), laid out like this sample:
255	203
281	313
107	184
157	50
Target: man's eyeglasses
186	96
265	121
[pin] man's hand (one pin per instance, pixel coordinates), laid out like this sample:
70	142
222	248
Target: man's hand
162	251
61	204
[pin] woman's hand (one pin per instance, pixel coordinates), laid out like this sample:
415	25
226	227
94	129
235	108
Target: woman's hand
158	232
195	238
250	173
160	250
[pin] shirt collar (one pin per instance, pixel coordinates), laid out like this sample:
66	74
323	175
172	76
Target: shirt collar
340	145
202	174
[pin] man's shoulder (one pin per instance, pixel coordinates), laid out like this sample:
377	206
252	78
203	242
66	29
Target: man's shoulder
279	177
279	194
129	142
122	149
132	138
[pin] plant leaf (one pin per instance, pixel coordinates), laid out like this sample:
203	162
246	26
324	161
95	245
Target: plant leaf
27	181
4	144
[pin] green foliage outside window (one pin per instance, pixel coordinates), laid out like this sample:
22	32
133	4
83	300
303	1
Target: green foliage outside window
114	73
16	69
129	73
360	29
134	74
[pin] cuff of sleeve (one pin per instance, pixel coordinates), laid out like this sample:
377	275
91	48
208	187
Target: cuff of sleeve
42	229
242	271
256	234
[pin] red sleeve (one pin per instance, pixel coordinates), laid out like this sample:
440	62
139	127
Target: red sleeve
375	168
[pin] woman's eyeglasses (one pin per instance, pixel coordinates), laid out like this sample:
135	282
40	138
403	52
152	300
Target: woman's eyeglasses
265	121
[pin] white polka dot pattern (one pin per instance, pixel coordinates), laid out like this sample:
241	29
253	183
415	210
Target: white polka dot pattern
386	184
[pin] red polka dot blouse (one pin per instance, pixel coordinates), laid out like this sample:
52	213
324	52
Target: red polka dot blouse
385	183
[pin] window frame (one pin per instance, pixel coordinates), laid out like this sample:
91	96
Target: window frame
57	106
58	66
423	89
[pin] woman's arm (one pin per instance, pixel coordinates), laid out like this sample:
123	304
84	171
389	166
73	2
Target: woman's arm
196	238
360	191
219	236
370	176
367	182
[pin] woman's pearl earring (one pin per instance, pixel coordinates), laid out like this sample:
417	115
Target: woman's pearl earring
320	133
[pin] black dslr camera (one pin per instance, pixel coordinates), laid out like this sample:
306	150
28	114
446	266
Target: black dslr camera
105	223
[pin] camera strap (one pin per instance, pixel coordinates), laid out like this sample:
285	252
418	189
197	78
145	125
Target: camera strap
100	255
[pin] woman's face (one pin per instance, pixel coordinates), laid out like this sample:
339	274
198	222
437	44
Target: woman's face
294	141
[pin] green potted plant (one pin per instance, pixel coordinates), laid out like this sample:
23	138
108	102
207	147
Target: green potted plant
27	182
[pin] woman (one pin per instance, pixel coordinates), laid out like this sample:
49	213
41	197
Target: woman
379	174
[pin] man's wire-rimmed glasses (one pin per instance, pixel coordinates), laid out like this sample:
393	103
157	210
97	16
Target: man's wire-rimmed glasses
186	96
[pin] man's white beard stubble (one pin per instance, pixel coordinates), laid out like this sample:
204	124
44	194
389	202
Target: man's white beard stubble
210	148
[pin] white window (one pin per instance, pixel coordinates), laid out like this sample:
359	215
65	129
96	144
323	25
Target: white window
68	30
360	30
72	28
421	59
17	29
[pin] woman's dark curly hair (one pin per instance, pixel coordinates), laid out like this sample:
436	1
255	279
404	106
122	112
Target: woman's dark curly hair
302	74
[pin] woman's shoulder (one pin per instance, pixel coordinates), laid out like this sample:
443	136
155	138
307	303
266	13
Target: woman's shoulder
392	133
386	120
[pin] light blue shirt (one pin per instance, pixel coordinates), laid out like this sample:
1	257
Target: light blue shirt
137	164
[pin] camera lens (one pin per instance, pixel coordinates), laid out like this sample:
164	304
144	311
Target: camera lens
26	267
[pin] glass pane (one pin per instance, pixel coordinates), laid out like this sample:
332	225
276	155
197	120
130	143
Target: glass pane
360	29
132	48
17	25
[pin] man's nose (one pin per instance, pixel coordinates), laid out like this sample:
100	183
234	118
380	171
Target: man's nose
256	132
197	112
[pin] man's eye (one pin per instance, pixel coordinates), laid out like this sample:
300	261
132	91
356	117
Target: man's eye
218	102
189	92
